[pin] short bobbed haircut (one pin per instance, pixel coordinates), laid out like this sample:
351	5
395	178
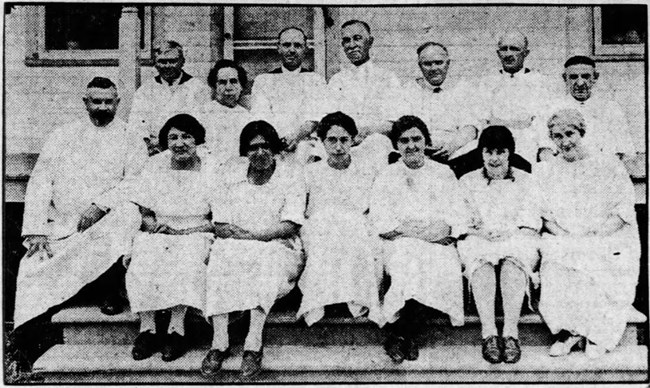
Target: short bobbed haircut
405	123
337	118
497	137
227	64
259	128
570	117
183	122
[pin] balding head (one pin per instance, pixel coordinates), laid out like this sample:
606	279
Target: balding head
512	51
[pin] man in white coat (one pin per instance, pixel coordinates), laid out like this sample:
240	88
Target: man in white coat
364	91
76	224
171	92
291	97
607	123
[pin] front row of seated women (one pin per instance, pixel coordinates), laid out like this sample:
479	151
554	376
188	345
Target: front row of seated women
232	238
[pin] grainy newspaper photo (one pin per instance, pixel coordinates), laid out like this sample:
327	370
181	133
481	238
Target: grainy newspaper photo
347	193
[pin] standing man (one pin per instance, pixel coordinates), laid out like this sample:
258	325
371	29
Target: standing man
291	98
441	104
363	90
224	117
76	223
608	126
171	92
516	97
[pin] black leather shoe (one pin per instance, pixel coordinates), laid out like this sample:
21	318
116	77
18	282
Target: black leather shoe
113	304
511	350
145	345
251	364
410	350
212	362
492	349
175	346
394	347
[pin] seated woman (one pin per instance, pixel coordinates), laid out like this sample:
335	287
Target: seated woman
257	256
590	256
167	269
504	234
416	208
340	266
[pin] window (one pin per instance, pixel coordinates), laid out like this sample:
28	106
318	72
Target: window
620	30
77	34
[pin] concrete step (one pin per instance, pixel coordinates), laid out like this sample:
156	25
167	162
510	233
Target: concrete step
87	325
332	364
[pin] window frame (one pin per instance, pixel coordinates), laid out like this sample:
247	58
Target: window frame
38	55
613	51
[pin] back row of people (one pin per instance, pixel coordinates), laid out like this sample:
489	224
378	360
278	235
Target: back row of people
293	99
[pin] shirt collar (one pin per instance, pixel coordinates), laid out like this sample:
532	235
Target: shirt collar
298	70
521	72
184	77
509	175
424	84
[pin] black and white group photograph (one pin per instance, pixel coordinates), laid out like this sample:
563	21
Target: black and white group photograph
306	193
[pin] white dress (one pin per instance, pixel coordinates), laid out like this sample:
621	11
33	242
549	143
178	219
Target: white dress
169	270
79	165
429	273
341	265
588	282
245	274
505	205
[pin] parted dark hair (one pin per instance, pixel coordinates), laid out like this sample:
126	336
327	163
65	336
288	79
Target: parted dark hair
497	137
259	128
101	82
405	123
579	60
355	21
182	122
225	64
337	118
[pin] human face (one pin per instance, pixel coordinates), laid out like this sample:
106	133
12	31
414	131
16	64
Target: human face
259	153
568	140
337	143
496	162
228	89
434	63
292	47
169	64
356	43
101	105
512	52
411	146
181	144
579	80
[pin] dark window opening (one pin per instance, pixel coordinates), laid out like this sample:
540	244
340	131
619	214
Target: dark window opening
624	24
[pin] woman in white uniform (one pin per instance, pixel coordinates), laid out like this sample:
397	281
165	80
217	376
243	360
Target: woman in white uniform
340	265
590	257
417	209
502	241
257	257
167	270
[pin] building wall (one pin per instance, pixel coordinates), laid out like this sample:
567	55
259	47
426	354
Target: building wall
37	99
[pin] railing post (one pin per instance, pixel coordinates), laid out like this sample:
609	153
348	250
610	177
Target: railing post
129	66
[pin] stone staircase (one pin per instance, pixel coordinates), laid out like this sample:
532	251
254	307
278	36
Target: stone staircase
97	349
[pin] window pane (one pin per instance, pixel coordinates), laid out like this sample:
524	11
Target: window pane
85	26
266	22
624	24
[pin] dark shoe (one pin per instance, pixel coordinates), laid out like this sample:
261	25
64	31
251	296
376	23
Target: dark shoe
492	349
394	347
511	350
251	364
113	304
175	346
410	350
212	362
145	345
